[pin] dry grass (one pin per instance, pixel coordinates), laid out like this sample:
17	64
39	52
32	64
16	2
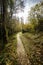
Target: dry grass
33	45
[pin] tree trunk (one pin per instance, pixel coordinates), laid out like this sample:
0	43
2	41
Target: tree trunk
4	20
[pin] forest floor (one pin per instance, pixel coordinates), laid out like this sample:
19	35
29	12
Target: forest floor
23	49
22	56
33	44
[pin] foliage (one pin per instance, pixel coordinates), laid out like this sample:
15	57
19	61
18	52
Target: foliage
36	20
33	45
36	17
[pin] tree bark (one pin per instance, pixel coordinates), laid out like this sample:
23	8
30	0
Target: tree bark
4	20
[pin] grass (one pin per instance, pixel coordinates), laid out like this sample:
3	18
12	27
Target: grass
33	45
9	54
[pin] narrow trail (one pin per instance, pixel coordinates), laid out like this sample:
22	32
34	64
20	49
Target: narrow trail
22	56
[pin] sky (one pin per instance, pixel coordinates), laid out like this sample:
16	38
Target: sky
28	4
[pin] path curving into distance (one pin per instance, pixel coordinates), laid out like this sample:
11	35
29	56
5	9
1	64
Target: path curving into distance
22	56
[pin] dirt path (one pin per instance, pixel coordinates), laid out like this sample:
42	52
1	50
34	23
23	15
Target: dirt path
22	56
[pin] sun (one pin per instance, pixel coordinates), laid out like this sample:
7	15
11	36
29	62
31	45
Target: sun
23	14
